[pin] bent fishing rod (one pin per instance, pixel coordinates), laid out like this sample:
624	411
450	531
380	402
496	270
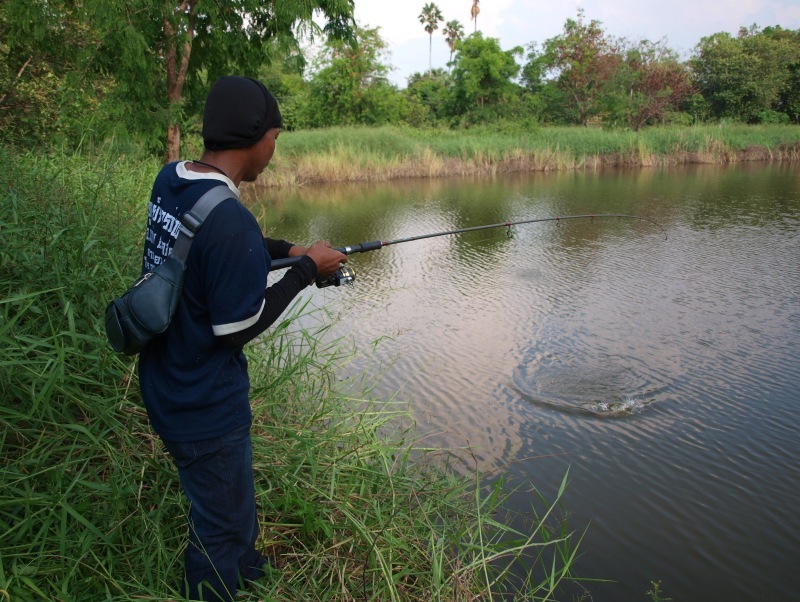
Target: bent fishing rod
346	275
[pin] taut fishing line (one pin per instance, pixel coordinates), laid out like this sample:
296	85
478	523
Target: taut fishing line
346	275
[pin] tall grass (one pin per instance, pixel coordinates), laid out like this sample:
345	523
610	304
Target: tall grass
90	505
362	153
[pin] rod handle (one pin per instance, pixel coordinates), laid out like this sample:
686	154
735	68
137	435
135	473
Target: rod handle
362	247
279	264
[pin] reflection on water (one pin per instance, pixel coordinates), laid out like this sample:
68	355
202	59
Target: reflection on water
663	374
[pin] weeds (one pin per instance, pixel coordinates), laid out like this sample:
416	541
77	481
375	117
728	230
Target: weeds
90	505
656	595
364	153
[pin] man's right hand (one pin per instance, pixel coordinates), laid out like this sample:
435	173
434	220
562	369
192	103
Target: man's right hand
326	257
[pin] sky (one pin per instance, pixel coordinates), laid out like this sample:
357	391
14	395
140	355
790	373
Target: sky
681	23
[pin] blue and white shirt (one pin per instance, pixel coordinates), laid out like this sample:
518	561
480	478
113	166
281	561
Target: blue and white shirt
193	384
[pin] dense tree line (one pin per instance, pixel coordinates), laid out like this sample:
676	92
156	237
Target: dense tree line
79	72
74	70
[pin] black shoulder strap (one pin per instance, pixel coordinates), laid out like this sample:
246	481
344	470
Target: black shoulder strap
194	218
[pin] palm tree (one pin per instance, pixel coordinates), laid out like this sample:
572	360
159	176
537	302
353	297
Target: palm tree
453	32
475	10
430	17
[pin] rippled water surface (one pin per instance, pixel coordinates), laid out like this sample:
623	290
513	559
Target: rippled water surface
665	374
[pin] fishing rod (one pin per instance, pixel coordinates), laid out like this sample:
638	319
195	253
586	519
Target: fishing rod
346	275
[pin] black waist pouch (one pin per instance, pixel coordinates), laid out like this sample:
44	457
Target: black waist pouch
146	308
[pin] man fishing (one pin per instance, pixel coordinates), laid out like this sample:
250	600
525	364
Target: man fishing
193	378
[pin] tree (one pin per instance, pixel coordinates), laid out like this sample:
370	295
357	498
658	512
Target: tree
727	78
650	82
482	77
430	92
44	88
242	32
789	98
537	93
285	79
161	55
453	32
430	17
474	13
534	70
582	61
350	85
747	77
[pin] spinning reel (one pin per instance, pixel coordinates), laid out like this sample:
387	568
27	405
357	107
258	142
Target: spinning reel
344	275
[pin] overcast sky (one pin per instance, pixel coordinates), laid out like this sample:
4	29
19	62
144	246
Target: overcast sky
519	22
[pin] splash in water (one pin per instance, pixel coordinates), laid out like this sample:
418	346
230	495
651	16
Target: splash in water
624	407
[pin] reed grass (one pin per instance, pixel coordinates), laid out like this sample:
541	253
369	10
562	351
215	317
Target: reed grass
90	504
362	153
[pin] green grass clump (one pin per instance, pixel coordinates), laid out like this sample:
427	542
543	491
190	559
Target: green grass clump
90	504
352	502
381	153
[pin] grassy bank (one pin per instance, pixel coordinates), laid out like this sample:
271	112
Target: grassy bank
90	505
361	153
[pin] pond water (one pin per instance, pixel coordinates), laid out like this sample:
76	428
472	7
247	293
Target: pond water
663	373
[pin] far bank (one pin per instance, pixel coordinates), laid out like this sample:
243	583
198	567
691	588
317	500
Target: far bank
364	154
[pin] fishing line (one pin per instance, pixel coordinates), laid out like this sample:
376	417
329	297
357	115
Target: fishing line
346	275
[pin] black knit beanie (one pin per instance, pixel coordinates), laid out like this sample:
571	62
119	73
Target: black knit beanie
238	112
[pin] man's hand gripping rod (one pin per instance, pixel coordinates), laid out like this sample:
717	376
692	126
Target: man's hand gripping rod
344	275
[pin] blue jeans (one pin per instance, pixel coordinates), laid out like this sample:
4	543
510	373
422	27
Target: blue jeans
217	478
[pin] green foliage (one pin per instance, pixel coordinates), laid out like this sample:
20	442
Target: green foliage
453	33
430	17
584	76
292	91
789	99
78	467
432	92
366	153
125	74
386	143
533	72
49	85
750	76
648	86
107	68
350	86
90	505
656	595
482	77
581	62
